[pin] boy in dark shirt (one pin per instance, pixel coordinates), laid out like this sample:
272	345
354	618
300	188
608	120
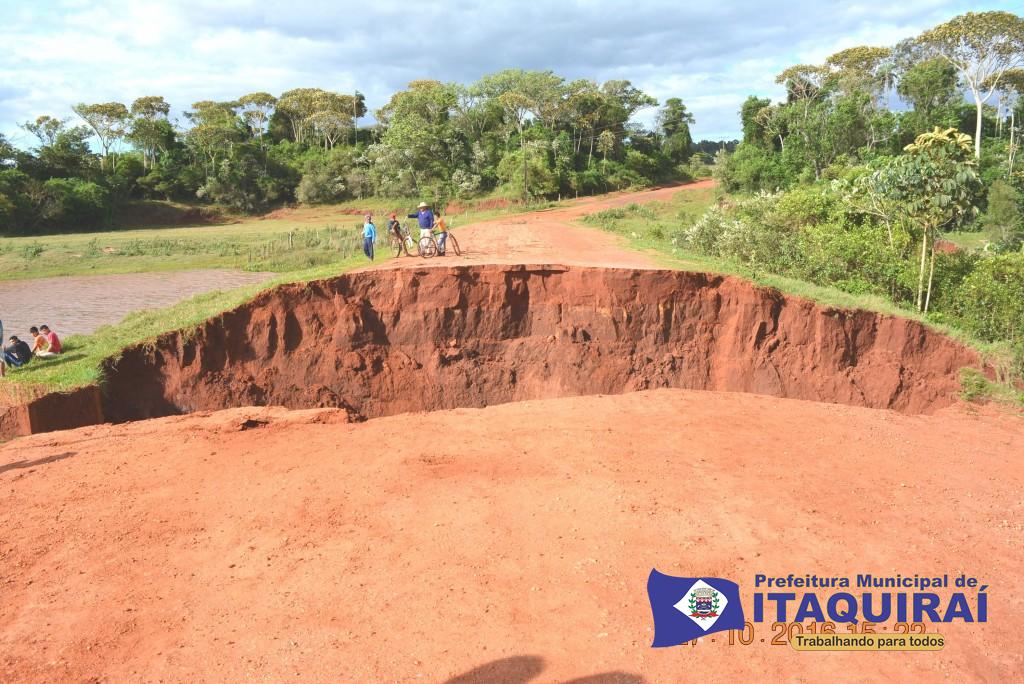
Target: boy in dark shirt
17	353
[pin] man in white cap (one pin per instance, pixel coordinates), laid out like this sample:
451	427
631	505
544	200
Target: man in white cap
425	218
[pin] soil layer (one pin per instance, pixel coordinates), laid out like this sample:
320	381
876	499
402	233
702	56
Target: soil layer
389	341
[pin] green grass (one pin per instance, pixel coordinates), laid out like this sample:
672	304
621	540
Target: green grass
317	236
972	241
80	363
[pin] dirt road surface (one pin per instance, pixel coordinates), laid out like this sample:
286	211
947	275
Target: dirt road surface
80	304
548	236
505	544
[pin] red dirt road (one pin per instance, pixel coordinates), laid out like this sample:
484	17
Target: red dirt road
548	236
505	544
419	547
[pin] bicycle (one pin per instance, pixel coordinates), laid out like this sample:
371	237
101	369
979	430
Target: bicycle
405	243
449	242
429	246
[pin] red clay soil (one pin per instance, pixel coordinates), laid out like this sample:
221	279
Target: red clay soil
268	545
389	341
510	543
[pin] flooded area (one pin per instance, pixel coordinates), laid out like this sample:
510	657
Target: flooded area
80	304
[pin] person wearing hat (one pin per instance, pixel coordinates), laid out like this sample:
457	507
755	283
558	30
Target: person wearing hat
425	218
369	236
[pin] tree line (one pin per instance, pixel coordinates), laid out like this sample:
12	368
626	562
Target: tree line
891	170
528	133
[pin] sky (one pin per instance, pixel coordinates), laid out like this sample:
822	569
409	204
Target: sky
712	55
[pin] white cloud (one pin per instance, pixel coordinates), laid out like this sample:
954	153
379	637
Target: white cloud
712	55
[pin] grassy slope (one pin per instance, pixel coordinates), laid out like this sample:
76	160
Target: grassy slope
255	243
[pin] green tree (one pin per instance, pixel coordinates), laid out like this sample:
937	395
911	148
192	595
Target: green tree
107	120
674	121
930	86
1003	219
149	129
753	131
256	110
937	183
862	69
982	47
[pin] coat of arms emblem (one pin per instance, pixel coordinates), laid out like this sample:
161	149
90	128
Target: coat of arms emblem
703	604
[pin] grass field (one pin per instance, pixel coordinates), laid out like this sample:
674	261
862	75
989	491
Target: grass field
283	241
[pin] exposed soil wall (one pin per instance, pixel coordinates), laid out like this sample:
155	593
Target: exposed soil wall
387	341
55	411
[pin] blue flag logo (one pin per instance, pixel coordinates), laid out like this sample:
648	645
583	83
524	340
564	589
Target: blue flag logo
685	608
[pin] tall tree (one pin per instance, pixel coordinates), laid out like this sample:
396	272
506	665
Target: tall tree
46	129
107	121
930	86
256	109
982	46
753	130
674	121
517	106
861	69
937	184
149	129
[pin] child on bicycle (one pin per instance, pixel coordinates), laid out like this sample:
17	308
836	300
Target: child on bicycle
441	228
394	227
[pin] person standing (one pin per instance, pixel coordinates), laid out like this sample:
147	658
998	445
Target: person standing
442	233
425	217
369	237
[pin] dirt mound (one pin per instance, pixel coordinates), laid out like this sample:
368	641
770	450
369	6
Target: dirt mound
384	342
154	213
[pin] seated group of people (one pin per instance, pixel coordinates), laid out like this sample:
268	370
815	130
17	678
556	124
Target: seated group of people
44	343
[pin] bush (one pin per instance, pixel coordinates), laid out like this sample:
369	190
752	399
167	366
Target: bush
990	301
749	232
1003	220
751	169
853	257
73	204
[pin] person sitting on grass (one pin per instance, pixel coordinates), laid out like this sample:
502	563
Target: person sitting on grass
39	343
53	346
16	354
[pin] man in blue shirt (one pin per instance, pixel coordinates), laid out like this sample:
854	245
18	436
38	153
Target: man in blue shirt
369	236
425	218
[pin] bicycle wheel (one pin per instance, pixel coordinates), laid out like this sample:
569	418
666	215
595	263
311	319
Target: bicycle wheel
452	244
410	245
427	247
396	247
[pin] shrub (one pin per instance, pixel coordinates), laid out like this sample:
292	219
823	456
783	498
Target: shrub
1003	220
990	301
